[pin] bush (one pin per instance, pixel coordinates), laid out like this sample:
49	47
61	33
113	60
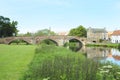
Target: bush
108	72
49	42
19	42
119	46
101	40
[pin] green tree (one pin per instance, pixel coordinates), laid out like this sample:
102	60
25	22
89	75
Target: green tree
44	32
28	34
7	28
80	31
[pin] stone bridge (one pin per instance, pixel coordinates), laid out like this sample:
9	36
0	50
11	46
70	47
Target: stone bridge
59	40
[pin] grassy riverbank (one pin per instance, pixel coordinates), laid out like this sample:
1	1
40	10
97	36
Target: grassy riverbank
14	60
26	62
103	45
58	63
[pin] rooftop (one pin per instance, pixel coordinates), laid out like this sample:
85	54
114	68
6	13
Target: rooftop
98	30
116	32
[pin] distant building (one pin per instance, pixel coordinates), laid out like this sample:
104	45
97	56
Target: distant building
109	35
96	34
115	38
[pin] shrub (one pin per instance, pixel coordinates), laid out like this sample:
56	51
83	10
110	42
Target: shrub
101	40
109	72
18	41
119	46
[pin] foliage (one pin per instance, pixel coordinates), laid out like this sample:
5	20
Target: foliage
103	45
57	63
101	40
14	60
119	46
48	42
19	42
80	31
108	72
73	46
28	34
44	32
7	28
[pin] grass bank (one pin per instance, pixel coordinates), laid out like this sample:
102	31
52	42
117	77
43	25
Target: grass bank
14	60
103	45
58	63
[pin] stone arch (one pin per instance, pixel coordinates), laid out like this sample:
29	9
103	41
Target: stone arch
11	41
78	43
55	42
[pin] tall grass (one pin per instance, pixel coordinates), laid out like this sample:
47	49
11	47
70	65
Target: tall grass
14	60
57	63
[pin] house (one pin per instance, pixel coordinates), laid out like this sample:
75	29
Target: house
96	34
115	38
109	35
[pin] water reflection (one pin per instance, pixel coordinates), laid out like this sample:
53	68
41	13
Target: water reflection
104	54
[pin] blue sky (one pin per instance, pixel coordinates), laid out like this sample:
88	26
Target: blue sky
62	15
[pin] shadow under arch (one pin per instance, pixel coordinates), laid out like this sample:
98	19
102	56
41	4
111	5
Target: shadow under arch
18	41
75	44
49	42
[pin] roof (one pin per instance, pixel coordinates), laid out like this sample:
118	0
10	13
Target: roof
98	30
110	33
116	32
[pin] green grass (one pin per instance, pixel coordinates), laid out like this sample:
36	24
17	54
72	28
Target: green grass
59	63
103	45
14	60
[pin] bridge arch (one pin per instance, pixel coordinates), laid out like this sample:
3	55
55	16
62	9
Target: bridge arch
17	41
49	41
75	44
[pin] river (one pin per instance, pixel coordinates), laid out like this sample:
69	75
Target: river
102	53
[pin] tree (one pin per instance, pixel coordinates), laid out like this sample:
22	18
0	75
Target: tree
44	32
80	31
7	28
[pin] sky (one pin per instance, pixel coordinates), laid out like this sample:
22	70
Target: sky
62	15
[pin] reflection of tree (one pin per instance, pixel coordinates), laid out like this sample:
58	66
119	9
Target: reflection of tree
101	49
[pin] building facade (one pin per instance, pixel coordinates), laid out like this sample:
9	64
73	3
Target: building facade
96	34
115	38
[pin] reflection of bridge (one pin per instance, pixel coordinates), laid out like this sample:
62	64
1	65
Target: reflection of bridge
60	40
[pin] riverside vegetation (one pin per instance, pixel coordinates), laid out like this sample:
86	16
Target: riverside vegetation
49	62
111	45
58	63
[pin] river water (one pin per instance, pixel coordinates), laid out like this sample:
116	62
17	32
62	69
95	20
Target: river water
103	54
